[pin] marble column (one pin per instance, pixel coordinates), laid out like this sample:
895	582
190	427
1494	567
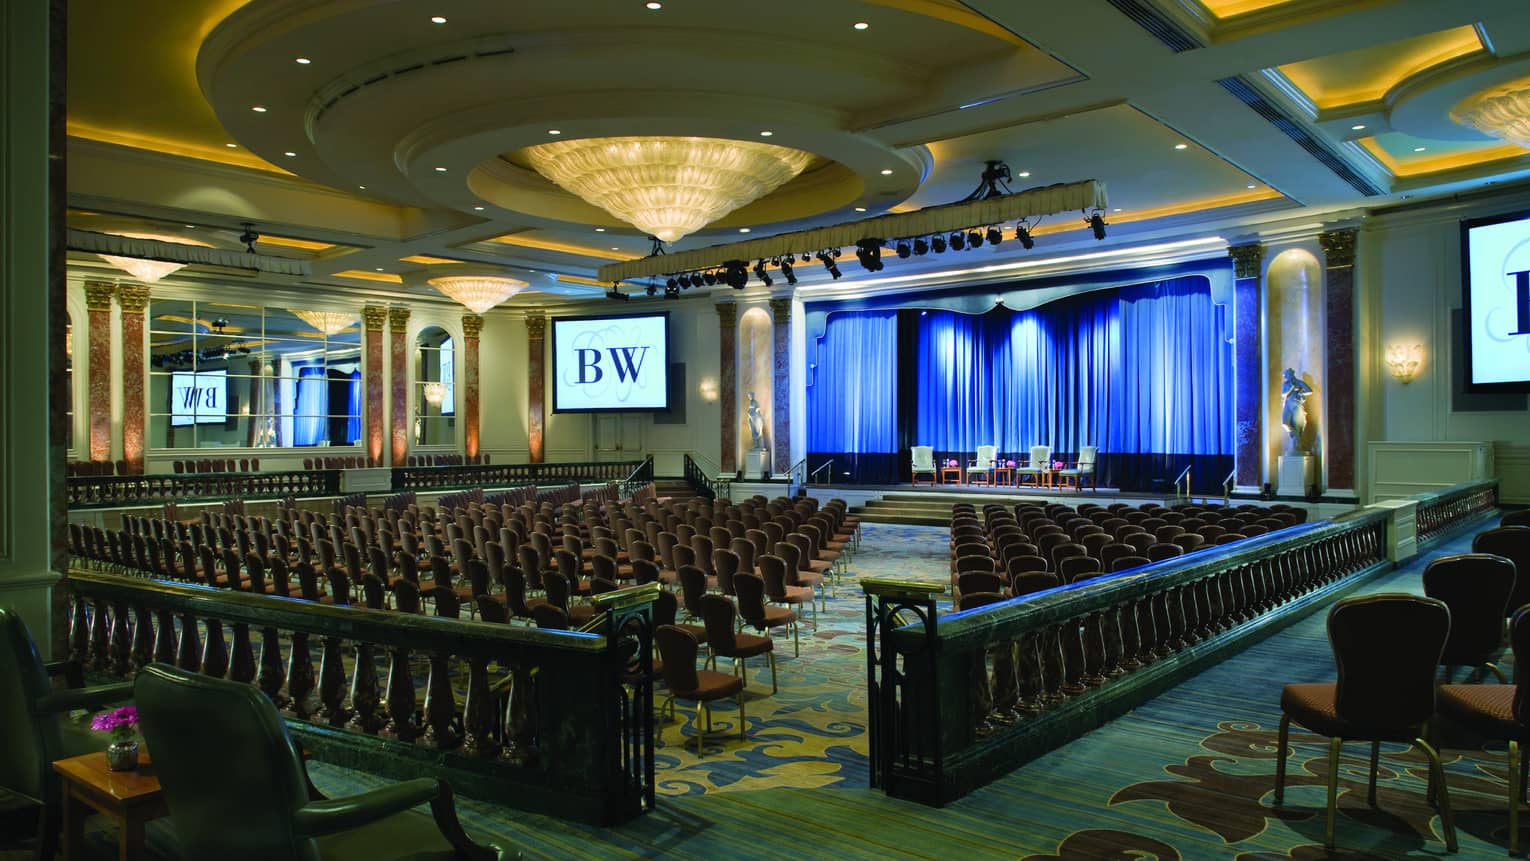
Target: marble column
780	435
1248	375
398	381
134	299
374	318
1339	305
98	300
727	325
536	333
472	326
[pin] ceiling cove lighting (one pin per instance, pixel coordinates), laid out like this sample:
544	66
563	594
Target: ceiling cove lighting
668	187
1502	113
150	271
330	323
478	293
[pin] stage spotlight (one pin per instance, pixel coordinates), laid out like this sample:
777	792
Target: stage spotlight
974	239
786	270
938	244
685	282
735	274
652	289
903	250
829	265
1096	223
921	247
613	293
806	258
995	236
1024	237
869	252
759	271
709	278
671	286
958	242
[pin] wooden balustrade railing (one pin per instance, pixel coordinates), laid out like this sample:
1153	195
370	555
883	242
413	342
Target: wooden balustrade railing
958	700
551	721
105	491
508	474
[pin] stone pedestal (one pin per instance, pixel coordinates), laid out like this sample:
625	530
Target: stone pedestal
756	463
1298	472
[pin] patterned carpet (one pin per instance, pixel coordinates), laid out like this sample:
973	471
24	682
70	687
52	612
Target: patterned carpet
1188	775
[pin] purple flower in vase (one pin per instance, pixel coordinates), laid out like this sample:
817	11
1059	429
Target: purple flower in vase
1057	464
951	462
120	722
1010	464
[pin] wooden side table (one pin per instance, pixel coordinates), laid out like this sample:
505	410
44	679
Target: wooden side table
1004	475
950	475
128	798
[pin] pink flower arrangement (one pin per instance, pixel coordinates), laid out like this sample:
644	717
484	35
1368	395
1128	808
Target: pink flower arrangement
1010	464
951	462
1057	464
121	723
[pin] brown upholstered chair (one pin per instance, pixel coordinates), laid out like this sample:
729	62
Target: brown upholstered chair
558	592
677	656
1512	543
1126	563
1386	648
761	616
550	617
1033	581
773	572
723	641
1476	588
1079	568
1499	712
1159	552
978	581
1516	518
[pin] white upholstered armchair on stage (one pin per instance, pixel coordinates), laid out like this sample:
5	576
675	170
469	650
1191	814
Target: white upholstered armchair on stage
923	462
1039	465
982	465
1081	471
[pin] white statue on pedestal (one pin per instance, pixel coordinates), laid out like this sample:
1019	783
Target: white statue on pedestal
1293	414
756	425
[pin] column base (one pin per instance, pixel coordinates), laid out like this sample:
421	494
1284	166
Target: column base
1297	474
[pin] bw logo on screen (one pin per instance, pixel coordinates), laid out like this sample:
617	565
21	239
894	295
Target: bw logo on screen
625	362
608	365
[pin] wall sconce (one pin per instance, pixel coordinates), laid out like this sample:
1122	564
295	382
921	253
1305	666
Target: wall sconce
708	389
1403	362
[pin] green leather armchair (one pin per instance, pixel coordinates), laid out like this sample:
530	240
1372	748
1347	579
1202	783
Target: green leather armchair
37	727
236	789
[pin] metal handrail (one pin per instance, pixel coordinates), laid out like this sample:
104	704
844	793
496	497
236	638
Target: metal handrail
826	465
798	469
697	478
1227	485
1183	477
632	476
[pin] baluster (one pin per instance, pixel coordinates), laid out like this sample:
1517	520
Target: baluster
1071	638
121	661
402	723
1094	650
478	713
440	705
1028	675
100	636
1243	602
215	651
1006	691
332	683
1163	631
1204	625
364	699
1131	638
1174	614
270	680
1050	645
242	664
79	631
164	636
1110	634
189	653
982	694
300	680
143	637
1216	593
1147	630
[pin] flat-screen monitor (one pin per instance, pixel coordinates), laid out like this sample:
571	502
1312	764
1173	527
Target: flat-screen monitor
610	363
1495	281
198	398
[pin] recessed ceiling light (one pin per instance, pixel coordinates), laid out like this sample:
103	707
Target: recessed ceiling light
1117	209
861	25
1023	174
887	171
440	170
765	133
259	109
743	230
232	146
302	61
437	19
362	187
614	248
1253	185
600	230
860	209
290	154
191	227
555	131
1357	127
654	5
1181	146
478	209
379	269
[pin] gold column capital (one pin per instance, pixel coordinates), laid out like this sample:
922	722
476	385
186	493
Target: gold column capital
98	295
727	315
472	325
536	326
1339	247
1246	259
133	298
374	317
781	311
398	320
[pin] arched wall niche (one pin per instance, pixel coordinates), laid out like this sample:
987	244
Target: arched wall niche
756	375
1294	339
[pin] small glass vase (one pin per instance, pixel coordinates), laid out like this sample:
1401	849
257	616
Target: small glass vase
122	756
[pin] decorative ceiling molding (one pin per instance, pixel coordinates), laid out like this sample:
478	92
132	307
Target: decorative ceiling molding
1083	196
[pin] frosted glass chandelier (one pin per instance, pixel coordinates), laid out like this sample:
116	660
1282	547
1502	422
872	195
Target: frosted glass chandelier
149	271
478	293
331	323
435	393
667	187
1503	113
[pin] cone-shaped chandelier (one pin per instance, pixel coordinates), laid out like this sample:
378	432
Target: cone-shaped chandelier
149	271
1502	112
331	323
478	293
667	187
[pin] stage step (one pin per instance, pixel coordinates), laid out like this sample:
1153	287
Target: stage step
678	489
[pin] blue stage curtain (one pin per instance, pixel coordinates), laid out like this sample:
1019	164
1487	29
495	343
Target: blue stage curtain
1142	372
853	399
353	427
311	410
